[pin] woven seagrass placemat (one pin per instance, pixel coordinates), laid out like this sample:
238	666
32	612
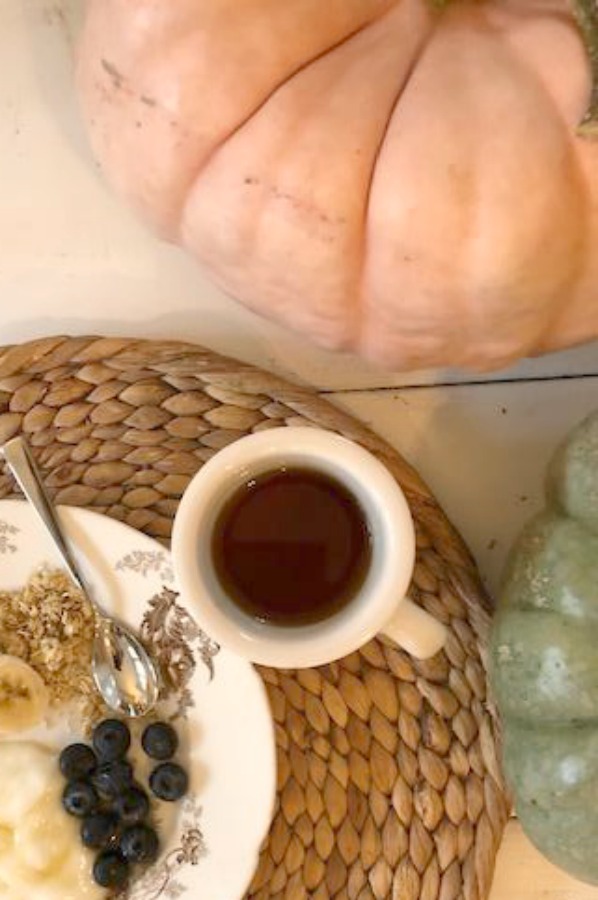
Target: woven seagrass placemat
389	785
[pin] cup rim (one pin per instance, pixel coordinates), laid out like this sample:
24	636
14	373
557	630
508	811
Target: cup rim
352	464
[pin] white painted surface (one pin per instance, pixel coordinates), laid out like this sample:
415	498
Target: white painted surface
482	448
72	259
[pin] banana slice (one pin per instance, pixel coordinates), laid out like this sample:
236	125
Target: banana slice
23	696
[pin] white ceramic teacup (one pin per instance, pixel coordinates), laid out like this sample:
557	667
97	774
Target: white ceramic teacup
380	606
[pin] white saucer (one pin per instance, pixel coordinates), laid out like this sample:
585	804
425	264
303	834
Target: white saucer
213	850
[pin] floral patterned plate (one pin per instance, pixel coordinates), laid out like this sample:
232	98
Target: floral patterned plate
221	706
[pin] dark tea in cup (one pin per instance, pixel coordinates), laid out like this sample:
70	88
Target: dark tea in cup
291	546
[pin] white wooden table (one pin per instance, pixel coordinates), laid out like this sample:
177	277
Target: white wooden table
73	260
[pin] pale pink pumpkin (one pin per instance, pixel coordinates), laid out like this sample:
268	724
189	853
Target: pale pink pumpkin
385	178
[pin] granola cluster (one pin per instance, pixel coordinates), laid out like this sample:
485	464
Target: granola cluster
50	625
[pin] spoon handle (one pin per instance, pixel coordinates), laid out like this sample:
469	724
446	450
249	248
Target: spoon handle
21	463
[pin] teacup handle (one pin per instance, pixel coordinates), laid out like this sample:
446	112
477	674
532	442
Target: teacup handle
415	630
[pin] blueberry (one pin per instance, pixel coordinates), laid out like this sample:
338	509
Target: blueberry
111	740
110	870
139	844
79	799
77	762
169	781
160	741
132	806
111	779
99	831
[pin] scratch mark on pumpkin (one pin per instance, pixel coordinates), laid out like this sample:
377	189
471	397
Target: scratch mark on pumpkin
118	79
304	206
300	206
119	83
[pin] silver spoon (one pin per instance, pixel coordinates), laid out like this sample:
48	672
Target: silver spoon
124	673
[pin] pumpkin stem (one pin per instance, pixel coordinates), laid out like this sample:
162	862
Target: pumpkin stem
586	13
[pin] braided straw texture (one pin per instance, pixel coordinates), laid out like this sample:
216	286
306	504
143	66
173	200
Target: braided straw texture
389	785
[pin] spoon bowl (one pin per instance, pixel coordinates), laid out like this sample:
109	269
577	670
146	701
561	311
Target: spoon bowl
120	670
123	671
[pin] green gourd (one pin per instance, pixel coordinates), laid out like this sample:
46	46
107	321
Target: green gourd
544	663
